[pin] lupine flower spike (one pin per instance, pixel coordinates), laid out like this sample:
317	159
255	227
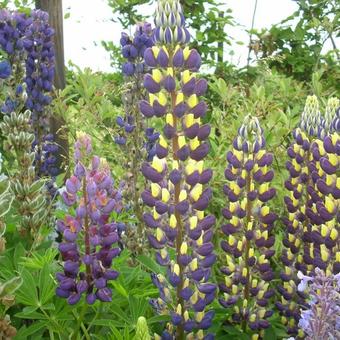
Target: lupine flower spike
39	78
322	249
249	230
132	127
13	26
27	42
90	236
312	234
176	194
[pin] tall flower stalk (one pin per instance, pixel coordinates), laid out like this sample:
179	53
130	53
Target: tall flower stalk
39	76
13	26
90	236
131	135
27	42
322	248
297	221
249	245
312	235
180	231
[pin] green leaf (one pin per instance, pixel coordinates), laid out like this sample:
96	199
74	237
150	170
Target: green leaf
33	329
149	263
46	285
27	293
120	289
30	316
19	252
116	333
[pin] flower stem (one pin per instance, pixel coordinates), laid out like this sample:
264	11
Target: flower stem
79	322
246	258
137	140
179	238
86	231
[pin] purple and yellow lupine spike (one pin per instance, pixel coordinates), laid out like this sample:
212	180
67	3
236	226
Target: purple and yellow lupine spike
176	192
322	248
297	220
249	237
313	220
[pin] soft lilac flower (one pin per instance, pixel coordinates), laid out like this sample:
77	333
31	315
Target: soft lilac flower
304	280
321	319
90	238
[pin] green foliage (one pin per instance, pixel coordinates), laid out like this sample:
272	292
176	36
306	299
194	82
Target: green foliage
21	5
295	46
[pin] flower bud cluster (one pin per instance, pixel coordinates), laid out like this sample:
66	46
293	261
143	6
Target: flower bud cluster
90	236
176	192
311	119
170	23
312	234
6	199
331	116
30	196
250	239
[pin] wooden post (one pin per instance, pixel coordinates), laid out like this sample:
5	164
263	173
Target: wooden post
55	10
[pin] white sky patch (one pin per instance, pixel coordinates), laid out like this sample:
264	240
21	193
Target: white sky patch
91	22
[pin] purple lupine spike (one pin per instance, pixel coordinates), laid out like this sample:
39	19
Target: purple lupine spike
27	41
249	238
90	238
134	68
